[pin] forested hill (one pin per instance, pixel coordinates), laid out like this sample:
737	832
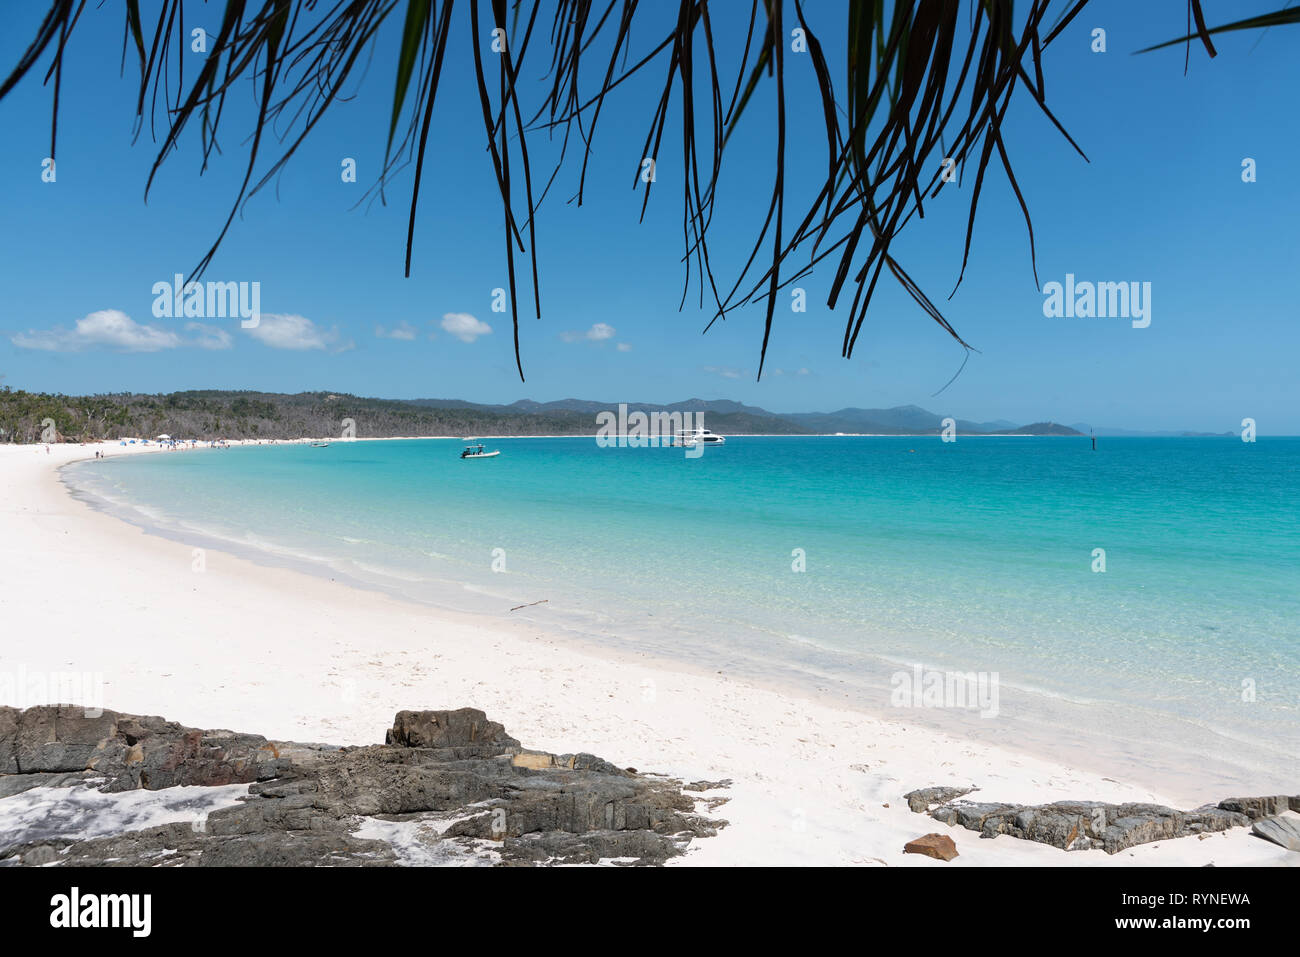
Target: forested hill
212	414
257	415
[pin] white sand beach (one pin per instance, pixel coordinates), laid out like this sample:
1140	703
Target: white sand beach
295	656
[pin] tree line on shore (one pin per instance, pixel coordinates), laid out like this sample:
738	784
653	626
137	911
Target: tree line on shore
207	415
213	414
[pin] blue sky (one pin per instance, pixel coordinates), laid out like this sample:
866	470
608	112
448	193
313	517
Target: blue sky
1162	201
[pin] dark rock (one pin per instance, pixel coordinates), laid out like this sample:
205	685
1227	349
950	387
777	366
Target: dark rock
490	799
131	751
1280	830
466	732
921	799
973	817
39	856
8	740
1261	807
1081	825
11	784
60	737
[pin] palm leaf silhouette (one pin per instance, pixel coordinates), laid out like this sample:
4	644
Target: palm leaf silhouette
925	88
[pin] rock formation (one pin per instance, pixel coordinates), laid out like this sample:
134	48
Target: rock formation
446	786
1081	825
921	800
1280	830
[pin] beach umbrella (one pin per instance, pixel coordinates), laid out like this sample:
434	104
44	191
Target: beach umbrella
164	436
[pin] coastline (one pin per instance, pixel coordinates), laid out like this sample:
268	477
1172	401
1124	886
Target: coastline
277	651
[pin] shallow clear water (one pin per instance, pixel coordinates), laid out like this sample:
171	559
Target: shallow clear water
975	556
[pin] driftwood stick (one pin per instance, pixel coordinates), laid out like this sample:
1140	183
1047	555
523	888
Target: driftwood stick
531	604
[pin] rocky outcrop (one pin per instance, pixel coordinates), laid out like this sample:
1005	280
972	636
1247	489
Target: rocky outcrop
1082	825
132	751
465	733
1261	807
1283	831
446	786
922	799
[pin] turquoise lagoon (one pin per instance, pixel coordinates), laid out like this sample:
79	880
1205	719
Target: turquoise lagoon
1179	664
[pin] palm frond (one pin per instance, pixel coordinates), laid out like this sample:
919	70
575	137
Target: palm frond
926	85
1288	16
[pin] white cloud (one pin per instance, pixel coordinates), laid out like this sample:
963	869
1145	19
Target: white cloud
464	326
625	347
108	327
209	337
597	333
113	329
403	331
291	332
725	372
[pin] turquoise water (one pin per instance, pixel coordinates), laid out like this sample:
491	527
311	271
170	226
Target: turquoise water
975	556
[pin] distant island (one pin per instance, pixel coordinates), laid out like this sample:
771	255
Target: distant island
215	414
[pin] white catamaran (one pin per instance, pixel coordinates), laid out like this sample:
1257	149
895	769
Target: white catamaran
691	437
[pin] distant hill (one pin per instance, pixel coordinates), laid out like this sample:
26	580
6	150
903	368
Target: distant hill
1041	428
211	414
902	420
1102	430
578	416
725	416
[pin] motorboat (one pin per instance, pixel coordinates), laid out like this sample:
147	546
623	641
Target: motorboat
690	437
476	452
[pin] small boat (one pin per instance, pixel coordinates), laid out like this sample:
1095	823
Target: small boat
689	437
476	452
320	445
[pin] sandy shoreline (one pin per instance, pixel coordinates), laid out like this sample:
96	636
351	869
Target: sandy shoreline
294	656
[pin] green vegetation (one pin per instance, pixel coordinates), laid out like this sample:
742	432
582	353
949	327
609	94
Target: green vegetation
240	415
212	414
